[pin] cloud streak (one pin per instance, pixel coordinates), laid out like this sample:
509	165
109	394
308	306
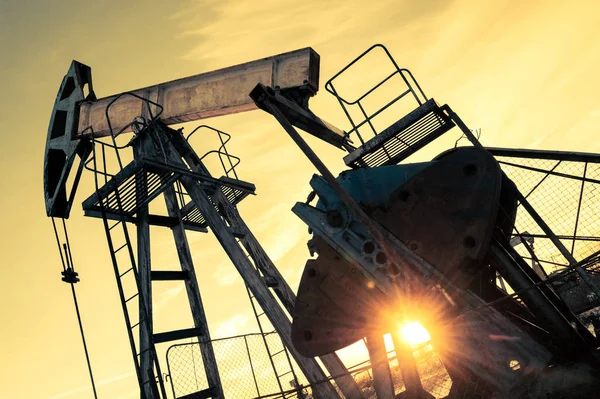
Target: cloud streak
88	388
231	327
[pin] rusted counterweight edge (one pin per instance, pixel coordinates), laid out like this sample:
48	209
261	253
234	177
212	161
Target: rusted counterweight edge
216	93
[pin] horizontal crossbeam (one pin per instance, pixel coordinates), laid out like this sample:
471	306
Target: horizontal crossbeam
177	334
221	92
204	394
153	220
169	275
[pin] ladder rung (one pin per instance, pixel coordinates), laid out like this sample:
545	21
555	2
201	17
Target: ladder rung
277	353
125	272
131	297
177	334
281	375
144	351
168	275
270	281
121	247
258	315
204	394
237	234
135	325
114	225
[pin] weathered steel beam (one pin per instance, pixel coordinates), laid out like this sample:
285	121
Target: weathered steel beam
266	300
144	277
216	93
154	220
382	376
302	117
195	300
544	154
489	322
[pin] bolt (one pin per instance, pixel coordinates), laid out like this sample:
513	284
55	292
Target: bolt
335	218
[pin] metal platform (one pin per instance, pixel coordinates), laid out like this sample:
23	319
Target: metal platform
403	138
142	180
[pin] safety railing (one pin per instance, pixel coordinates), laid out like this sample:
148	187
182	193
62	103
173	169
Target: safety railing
246	373
137	125
412	88
228	161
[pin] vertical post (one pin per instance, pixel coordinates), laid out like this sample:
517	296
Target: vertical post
251	365
145	282
579	207
558	244
331	361
193	293
382	376
408	366
174	151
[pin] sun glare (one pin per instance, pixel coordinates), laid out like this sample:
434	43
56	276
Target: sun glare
414	333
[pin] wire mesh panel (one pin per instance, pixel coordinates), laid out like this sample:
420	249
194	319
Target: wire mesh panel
566	194
246	370
243	362
434	377
564	189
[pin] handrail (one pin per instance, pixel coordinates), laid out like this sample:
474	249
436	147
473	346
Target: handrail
409	80
222	150
331	89
134	122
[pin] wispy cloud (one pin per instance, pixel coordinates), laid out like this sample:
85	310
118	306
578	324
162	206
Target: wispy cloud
279	230
226	274
168	295
85	388
231	326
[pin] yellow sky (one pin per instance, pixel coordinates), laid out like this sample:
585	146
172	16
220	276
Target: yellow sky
525	72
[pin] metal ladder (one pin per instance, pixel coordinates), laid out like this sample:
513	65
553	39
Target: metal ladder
260	315
226	158
273	354
153	374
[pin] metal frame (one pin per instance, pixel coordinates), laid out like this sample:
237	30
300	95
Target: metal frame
426	275
245	337
402	72
550	306
159	142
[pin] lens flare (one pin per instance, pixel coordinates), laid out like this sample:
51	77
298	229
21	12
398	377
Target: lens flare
414	333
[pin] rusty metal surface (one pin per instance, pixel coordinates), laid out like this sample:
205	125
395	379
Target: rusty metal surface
61	149
335	306
221	92
447	213
295	107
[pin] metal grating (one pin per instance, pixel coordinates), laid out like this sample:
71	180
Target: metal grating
403	138
131	188
143	180
243	362
195	217
234	196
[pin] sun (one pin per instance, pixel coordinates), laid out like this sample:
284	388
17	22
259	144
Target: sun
414	333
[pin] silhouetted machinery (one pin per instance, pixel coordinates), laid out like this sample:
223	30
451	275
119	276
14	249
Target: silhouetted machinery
447	242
